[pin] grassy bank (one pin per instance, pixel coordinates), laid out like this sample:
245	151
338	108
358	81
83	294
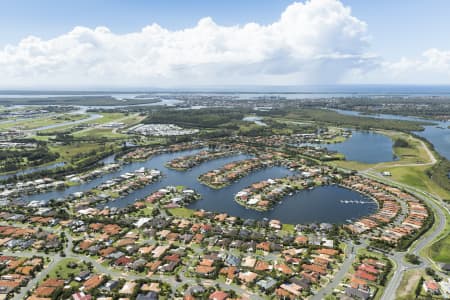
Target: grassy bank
439	250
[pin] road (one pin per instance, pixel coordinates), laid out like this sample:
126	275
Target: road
351	252
431	158
23	291
55	259
350	255
431	200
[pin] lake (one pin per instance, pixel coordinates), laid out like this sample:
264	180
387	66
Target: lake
365	146
437	134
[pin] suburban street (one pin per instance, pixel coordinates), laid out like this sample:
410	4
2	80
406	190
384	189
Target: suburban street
56	258
350	255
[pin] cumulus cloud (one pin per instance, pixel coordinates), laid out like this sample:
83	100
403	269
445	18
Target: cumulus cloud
316	41
431	67
432	61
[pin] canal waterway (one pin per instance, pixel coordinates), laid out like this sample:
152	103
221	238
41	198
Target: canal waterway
33	170
331	204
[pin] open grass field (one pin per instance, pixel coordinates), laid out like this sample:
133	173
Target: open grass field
415	153
439	250
67	152
99	133
417	177
377	255
411	176
181	212
109	117
59	129
350	165
41	122
132	119
106	118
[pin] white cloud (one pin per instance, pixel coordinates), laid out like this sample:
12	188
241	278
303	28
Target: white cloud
431	67
433	61
317	41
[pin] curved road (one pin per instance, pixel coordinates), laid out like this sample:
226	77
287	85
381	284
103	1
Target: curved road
350	255
56	258
426	239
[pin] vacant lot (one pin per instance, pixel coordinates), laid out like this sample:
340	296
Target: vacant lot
408	285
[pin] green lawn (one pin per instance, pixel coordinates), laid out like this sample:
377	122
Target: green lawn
440	250
107	118
288	228
99	133
147	211
40	122
338	139
67	152
128	120
415	153
411	176
181	212
417	177
350	165
364	251
62	270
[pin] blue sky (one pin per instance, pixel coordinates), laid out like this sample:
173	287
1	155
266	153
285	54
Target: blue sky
49	18
395	29
398	28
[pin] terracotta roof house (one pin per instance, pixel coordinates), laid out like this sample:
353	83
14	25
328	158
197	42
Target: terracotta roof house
93	282
430	286
45	291
218	295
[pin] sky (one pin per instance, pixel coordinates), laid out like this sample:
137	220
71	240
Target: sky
112	43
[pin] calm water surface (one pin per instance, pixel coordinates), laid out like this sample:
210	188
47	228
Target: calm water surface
322	204
32	170
437	134
366	147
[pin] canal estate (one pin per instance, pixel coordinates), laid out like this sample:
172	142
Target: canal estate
321	204
266	202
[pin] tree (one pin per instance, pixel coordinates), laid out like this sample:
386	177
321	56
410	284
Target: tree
401	143
411	258
430	271
419	287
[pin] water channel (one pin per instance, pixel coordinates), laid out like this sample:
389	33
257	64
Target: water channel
321	204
